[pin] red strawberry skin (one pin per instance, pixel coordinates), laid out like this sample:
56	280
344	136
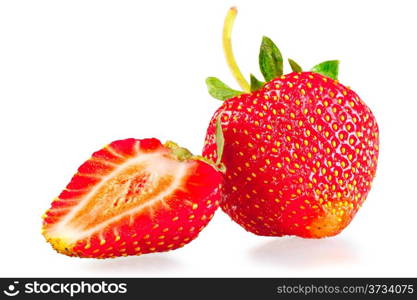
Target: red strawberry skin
300	156
132	197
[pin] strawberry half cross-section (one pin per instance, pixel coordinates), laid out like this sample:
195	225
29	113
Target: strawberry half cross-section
133	197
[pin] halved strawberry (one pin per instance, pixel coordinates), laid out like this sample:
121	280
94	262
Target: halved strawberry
133	197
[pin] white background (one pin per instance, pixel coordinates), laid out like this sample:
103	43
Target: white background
76	75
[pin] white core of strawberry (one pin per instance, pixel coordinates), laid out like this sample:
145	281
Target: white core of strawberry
157	165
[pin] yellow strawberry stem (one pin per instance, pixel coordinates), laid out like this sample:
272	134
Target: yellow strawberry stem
228	51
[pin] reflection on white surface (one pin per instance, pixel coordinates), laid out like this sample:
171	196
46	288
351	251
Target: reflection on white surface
293	252
149	263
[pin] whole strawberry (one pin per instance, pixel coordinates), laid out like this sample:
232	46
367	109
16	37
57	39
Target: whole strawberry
133	197
300	150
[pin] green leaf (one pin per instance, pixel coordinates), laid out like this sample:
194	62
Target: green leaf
255	84
294	66
219	139
329	68
219	90
270	59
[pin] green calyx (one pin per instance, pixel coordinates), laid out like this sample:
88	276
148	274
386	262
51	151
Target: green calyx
183	154
270	59
218	90
219	139
255	84
271	65
329	68
294	66
179	152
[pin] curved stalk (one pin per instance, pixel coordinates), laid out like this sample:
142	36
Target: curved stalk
228	51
